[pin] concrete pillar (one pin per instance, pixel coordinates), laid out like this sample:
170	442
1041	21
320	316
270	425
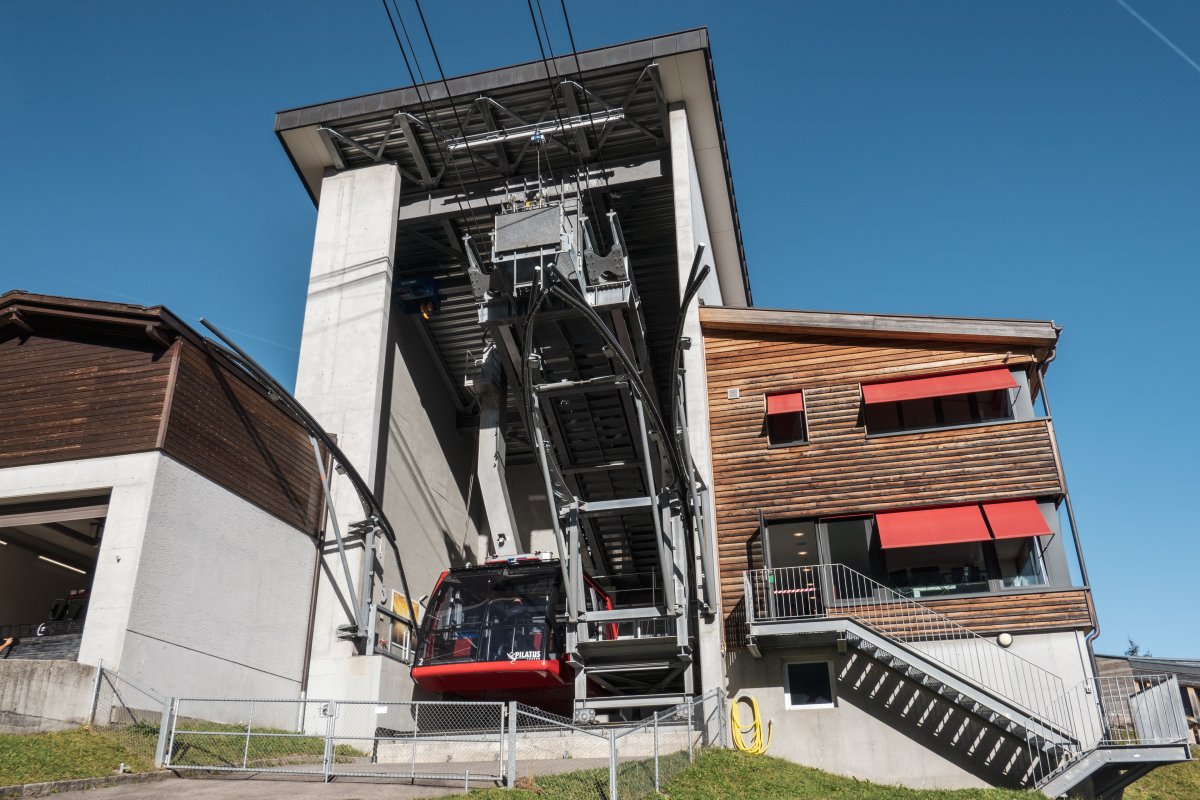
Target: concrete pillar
342	379
691	229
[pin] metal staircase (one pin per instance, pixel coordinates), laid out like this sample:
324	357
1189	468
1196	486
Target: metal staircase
1104	731
565	325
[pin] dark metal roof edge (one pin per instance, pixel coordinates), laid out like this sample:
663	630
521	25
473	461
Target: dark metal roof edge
756	315
737	222
486	80
50	304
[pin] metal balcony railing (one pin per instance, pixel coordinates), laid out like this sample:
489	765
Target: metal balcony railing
836	591
1124	711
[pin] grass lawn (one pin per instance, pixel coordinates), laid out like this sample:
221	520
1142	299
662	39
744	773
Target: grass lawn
720	774
79	753
1176	782
85	753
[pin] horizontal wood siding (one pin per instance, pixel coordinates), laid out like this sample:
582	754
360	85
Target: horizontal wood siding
1014	613
66	396
229	432
840	470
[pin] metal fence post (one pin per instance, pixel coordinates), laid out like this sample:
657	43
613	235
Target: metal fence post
511	777
612	765
330	723
95	692
656	786
164	730
690	708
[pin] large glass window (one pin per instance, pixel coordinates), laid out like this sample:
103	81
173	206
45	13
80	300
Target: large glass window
1020	563
492	616
939	412
939	570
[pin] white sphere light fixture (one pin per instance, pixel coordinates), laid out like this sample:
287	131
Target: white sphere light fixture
1005	640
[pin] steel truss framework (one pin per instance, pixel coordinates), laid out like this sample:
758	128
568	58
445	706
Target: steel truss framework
567	328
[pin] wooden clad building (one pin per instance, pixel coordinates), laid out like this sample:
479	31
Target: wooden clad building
86	379
841	425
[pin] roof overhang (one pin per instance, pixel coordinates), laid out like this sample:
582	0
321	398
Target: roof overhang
684	74
1034	333
22	313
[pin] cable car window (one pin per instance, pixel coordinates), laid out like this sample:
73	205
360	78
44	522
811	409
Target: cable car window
492	616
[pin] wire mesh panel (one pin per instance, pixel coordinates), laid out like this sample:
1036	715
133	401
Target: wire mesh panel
649	755
285	736
433	740
129	713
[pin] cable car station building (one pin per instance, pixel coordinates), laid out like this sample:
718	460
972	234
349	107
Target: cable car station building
602	481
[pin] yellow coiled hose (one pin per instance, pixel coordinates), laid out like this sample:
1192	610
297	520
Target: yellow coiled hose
757	745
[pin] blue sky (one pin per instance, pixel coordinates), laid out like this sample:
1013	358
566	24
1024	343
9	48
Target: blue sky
1012	159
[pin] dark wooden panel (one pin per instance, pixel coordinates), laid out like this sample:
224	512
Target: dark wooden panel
229	432
72	394
841	470
1015	613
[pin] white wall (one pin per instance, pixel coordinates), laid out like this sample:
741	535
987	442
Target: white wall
221	599
131	480
341	379
425	479
882	738
691	230
196	591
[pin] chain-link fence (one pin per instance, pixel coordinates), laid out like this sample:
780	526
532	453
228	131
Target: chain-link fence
467	742
435	740
131	714
633	760
285	736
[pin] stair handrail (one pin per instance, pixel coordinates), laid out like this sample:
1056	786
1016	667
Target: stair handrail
1039	689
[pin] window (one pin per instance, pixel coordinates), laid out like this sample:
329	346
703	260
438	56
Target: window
808	684
939	412
958	568
941	401
785	419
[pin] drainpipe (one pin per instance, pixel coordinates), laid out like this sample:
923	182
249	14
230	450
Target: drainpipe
1083	572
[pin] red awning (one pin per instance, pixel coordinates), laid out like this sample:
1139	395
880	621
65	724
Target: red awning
931	526
1016	519
938	386
785	403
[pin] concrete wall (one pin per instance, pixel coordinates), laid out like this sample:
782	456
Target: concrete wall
882	727
222	594
131	480
889	729
196	591
44	695
527	489
691	230
341	379
425	479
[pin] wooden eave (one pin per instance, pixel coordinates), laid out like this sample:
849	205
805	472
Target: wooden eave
27	312
1038	334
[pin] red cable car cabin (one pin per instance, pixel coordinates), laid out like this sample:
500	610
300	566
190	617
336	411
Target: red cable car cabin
491	632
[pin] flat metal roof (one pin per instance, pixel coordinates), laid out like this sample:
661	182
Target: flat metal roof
611	72
895	326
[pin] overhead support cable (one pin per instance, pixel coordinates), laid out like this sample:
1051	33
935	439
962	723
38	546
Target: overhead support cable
425	111
557	112
586	102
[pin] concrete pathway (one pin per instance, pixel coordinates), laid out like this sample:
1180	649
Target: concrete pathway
237	787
